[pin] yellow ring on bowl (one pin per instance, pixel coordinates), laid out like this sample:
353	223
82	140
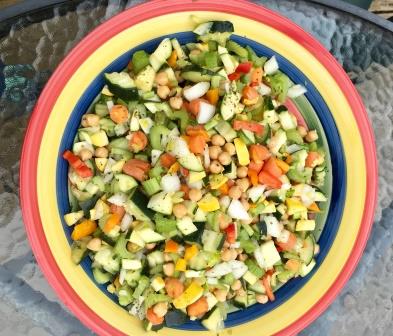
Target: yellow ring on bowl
313	290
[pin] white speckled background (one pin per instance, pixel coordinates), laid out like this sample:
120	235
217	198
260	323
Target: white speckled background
37	42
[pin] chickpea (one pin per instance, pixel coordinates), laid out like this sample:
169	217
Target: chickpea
215	167
160	309
311	136
90	120
167	257
235	192
261	298
233	254
245	203
163	91
242	257
226	245
162	78
101	152
226	255
195	195
236	285
178	76
94	244
240	292
230	148
176	102
169	269
242	172
150	246
223	221
179	210
218	140
85	154
243	183
221	295
214	152
302	131
224	158
195	52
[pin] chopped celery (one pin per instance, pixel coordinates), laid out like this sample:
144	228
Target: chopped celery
164	225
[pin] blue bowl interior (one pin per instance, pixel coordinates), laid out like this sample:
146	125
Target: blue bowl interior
335	146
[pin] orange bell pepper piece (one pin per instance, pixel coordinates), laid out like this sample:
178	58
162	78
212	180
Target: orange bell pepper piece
172	59
84	229
171	246
282	165
212	96
112	221
191	251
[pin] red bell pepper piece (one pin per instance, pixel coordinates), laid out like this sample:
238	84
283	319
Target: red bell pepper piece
231	233
244	67
234	76
77	164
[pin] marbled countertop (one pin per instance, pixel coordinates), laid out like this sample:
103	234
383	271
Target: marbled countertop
31	46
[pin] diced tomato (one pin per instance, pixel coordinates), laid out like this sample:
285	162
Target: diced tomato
234	76
138	141
259	153
311	158
250	93
184	171
167	160
231	233
194	106
119	114
269	180
186	189
117	209
136	168
153	318
77	164
266	283
289	244
256	76
197	130
252	126
255	166
198	308
197	144
272	168
244	67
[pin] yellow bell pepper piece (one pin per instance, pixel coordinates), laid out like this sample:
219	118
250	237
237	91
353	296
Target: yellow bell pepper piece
191	252
181	265
174	168
243	155
84	229
209	203
189	296
216	181
295	206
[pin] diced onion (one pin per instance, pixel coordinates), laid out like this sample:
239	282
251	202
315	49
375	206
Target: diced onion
224	202
237	210
155	155
126	222
196	91
219	270
296	91
118	199
178	147
273	226
264	90
206	112
256	192
238	268
170	183
109	104
293	148
271	66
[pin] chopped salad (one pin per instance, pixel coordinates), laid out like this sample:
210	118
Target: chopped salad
193	189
